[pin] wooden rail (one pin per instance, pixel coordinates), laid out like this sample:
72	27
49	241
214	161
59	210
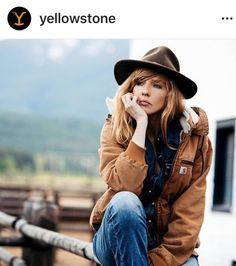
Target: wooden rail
11	259
76	246
42	218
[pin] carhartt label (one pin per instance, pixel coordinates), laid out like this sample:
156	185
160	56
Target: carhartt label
183	170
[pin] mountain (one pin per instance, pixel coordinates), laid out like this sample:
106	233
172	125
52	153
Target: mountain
31	143
59	78
36	134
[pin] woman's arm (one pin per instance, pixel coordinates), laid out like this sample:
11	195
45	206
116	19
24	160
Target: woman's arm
125	168
122	168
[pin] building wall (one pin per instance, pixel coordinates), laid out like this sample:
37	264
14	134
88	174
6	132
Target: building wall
212	65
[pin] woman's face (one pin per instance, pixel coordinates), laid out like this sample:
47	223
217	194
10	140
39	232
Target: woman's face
151	93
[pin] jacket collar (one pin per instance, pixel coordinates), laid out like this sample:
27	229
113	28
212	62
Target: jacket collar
194	121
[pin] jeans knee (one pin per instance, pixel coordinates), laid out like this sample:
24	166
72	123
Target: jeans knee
127	203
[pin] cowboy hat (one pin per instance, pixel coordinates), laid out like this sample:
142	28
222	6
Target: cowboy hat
162	60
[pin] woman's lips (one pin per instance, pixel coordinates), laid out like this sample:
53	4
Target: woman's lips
144	103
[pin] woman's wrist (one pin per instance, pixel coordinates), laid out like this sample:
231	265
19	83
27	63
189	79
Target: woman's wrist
140	133
142	122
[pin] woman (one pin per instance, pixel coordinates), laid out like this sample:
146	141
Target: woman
154	156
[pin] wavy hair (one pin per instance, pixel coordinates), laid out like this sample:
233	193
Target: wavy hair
123	124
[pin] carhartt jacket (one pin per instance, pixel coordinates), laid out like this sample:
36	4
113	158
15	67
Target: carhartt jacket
180	207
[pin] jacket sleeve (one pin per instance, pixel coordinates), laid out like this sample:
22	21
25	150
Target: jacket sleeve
122	168
186	215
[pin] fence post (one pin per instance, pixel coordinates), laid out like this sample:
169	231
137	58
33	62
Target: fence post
46	215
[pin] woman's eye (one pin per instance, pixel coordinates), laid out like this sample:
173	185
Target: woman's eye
157	85
140	83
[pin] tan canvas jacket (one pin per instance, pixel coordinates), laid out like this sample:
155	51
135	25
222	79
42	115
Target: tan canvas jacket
180	207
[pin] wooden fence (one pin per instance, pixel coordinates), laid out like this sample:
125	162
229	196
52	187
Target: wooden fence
39	243
13	198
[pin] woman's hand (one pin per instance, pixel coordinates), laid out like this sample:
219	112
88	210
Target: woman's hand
136	111
132	107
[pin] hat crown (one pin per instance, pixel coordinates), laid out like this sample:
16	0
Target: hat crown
162	56
160	60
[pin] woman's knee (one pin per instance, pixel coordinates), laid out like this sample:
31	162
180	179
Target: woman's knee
126	202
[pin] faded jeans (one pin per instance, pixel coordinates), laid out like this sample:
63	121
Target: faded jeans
122	237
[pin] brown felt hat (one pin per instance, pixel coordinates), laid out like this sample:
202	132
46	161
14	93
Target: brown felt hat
162	60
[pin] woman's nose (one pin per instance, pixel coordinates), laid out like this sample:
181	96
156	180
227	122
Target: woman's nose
145	91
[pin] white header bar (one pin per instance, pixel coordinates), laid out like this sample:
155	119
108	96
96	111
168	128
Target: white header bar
174	19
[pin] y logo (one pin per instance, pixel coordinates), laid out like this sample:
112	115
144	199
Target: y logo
19	18
19	23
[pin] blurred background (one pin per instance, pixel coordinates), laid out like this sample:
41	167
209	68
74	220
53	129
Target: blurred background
52	108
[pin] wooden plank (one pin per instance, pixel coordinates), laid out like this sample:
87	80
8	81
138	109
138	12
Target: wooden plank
12	199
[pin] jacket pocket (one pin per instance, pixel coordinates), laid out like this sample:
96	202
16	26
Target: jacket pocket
187	162
181	178
185	168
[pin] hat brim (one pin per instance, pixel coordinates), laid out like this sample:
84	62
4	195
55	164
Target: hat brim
124	68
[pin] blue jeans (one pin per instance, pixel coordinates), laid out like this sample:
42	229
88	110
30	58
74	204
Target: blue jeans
122	237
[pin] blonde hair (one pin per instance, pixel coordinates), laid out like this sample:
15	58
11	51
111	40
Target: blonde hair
122	123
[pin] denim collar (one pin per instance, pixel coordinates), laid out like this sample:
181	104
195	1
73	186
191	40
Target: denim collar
163	153
173	133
